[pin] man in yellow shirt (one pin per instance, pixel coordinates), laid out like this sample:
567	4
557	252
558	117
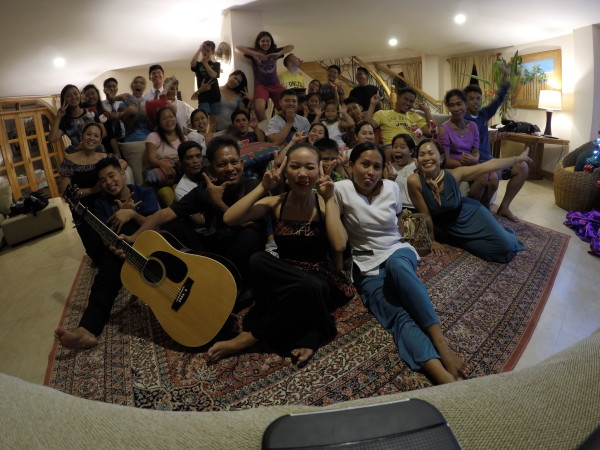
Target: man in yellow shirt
292	78
401	119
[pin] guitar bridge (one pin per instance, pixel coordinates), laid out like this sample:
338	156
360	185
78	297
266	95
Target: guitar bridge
183	294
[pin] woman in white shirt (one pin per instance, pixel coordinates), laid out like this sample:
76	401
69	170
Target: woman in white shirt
385	267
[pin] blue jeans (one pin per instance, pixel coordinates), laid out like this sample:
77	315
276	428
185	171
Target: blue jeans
400	303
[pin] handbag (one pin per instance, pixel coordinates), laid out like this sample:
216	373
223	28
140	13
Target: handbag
415	231
31	203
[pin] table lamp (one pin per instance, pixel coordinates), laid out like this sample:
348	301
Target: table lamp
550	101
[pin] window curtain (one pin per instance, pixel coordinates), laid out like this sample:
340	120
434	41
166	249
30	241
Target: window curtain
412	70
458	67
484	64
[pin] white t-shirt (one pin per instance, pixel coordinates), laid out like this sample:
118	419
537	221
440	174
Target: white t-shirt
335	133
184	186
401	180
372	227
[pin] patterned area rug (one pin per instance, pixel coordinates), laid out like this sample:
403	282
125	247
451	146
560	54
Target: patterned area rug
487	310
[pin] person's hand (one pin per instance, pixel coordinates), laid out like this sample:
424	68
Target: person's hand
437	248
272	178
205	86
343	108
60	112
466	159
390	172
275	55
117	250
127	204
422	106
120	218
259	57
524	157
297	137
375	99
167	169
246	94
215	192
325	186
290	116
505	72
205	57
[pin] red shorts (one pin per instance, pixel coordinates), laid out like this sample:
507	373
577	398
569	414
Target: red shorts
266	92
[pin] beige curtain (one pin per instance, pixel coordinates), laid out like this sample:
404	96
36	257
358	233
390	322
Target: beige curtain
458	67
484	63
412	69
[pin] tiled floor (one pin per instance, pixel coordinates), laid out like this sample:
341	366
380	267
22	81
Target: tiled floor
36	278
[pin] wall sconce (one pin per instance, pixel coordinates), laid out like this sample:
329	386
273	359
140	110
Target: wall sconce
550	101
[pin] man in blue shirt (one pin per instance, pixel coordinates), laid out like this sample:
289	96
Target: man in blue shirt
517	174
123	208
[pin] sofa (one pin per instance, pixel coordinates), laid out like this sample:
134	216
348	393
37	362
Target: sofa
554	404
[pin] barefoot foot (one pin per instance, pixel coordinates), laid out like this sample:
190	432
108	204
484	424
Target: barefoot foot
452	362
78	338
223	348
505	212
301	355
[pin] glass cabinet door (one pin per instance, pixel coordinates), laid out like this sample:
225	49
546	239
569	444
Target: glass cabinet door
27	160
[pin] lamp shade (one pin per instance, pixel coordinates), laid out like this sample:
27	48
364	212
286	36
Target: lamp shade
550	100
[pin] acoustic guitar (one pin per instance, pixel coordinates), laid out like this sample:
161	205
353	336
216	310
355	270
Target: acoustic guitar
191	295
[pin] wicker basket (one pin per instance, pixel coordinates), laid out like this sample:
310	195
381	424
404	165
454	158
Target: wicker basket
576	191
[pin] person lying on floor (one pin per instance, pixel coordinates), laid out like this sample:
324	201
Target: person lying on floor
123	208
385	267
456	220
221	186
294	293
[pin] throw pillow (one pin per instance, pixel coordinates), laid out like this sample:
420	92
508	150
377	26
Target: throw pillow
5	198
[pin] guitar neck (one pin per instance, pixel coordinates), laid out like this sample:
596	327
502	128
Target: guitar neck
110	236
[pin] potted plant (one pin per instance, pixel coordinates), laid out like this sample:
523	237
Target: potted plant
490	88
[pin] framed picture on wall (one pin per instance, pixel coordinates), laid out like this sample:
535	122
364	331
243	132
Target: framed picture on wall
541	70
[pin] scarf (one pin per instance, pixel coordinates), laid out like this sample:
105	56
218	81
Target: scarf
435	186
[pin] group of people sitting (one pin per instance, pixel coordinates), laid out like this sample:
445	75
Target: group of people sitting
333	209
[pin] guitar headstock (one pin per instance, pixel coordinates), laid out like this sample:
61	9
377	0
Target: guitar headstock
71	195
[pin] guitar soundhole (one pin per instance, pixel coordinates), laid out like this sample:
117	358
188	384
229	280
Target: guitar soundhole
153	271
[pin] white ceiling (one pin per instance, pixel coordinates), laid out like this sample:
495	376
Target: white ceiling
96	36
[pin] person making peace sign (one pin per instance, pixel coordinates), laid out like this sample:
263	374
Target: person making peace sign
295	293
223	186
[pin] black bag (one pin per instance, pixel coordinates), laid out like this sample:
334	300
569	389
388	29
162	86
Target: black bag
31	203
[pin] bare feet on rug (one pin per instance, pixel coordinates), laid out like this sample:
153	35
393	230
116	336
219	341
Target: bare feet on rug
451	361
438	372
79	338
223	348
301	355
505	212
453	364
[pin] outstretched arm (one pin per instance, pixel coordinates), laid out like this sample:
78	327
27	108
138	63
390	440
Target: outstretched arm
253	206
468	173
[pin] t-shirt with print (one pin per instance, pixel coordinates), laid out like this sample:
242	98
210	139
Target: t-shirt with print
214	94
289	81
392	123
265	72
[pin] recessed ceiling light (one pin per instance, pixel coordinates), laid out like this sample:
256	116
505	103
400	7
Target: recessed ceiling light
460	18
59	62
393	42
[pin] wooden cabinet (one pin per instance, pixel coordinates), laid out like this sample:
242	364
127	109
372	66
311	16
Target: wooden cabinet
27	160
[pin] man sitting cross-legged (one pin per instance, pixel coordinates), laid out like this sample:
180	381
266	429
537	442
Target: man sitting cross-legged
123	208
